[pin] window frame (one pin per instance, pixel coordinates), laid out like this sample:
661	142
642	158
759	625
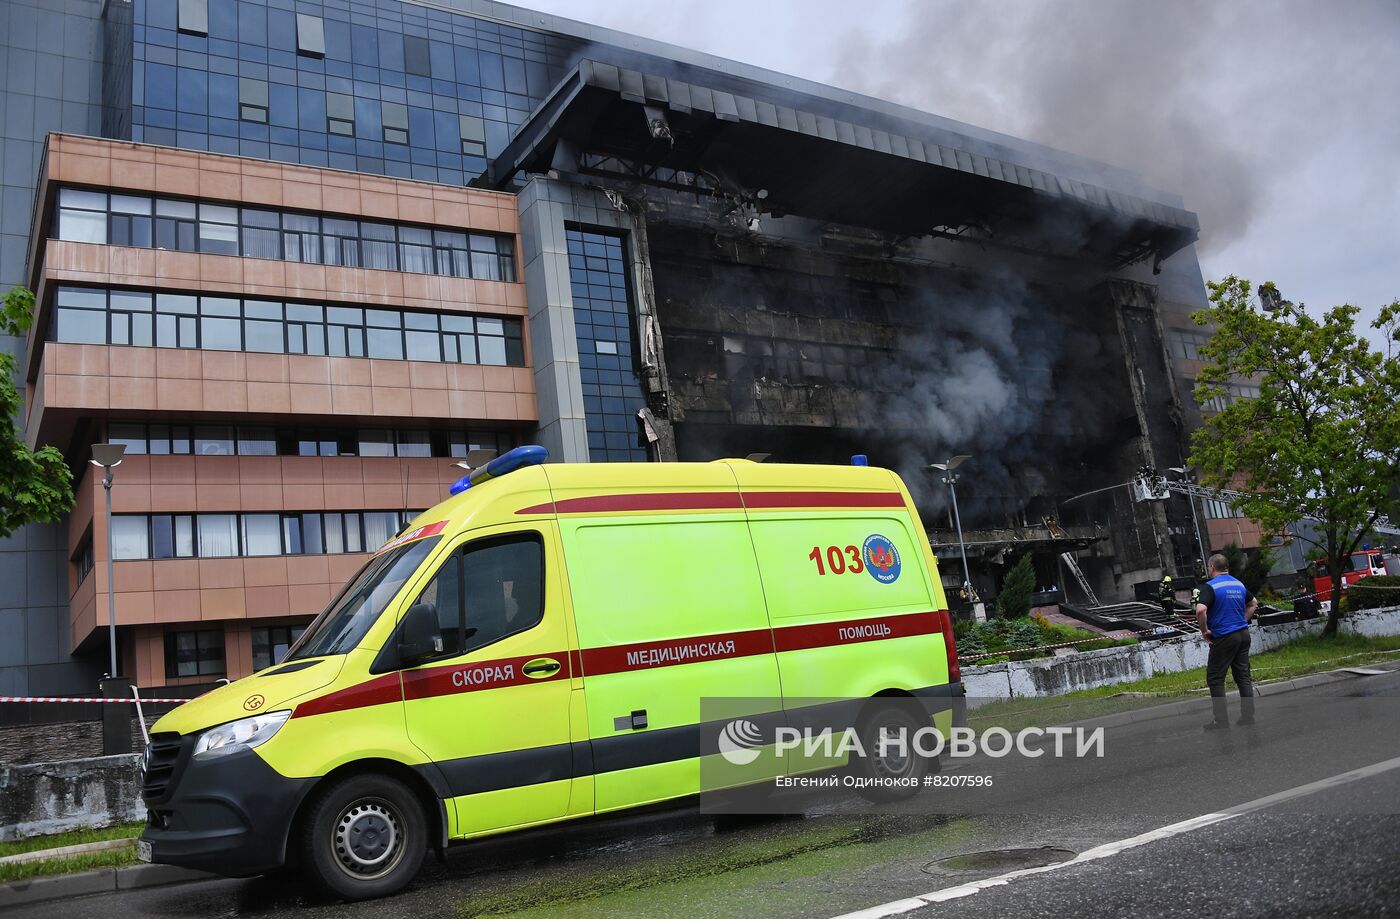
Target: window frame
172	664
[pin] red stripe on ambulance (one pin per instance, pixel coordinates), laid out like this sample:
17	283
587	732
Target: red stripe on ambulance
830	634
650	654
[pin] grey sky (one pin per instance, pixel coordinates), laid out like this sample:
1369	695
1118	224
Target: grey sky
1277	121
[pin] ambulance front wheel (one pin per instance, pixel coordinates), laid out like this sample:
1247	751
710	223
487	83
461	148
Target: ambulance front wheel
365	836
891	765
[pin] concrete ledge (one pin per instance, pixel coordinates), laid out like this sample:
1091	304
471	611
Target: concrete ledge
104	880
83	848
1112	666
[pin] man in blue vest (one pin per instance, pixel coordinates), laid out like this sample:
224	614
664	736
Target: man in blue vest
1224	608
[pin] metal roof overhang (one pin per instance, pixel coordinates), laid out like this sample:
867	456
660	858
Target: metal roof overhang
827	168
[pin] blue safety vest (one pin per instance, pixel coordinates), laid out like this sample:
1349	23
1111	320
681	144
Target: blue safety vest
1226	614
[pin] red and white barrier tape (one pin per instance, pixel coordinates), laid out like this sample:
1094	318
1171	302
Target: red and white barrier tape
78	699
1063	644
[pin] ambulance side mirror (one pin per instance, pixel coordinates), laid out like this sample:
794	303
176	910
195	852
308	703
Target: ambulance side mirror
420	637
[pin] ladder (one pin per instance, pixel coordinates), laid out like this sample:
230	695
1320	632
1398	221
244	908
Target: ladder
1068	559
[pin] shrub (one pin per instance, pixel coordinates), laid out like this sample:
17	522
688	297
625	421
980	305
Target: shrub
1014	601
1373	593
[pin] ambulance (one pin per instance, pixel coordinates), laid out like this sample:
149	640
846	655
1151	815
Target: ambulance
537	649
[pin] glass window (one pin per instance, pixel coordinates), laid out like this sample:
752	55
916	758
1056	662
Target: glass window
301	238
194	653
218	535
380	527
416	250
130	537
262	326
82	216
176	225
262	534
257	441
261	236
130	222
218	229
453	256
172	536
341	242
473	134
270	645
395	119
376	442
252	100
349	616
377	245
444	595
416	58
415	443
194	17
340	114
132	436
213	440
311	35
83	327
504	589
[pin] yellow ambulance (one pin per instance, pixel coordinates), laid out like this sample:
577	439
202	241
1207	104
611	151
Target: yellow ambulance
536	649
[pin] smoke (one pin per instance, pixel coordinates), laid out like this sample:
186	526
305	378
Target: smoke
1221	103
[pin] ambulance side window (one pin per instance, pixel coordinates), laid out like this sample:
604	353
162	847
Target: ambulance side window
444	593
504	588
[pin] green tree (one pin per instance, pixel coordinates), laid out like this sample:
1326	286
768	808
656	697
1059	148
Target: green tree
1322	438
1252	568
1014	600
36	486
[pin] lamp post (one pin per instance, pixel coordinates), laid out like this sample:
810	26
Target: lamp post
116	723
1195	521
950	479
108	457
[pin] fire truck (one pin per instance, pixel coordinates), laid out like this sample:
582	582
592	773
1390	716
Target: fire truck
1363	564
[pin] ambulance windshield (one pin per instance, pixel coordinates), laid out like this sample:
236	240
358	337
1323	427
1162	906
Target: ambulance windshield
345	621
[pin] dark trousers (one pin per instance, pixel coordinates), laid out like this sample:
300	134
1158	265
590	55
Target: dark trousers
1230	653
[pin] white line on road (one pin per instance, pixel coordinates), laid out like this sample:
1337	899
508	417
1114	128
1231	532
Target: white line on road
896	907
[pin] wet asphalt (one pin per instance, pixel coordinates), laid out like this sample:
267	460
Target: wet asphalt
1336	852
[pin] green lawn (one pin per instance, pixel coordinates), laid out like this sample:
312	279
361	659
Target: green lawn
1310	654
106	858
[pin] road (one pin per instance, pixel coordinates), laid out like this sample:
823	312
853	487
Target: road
1329	851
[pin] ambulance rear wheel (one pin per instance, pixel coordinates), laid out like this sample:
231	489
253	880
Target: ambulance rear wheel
365	836
895	770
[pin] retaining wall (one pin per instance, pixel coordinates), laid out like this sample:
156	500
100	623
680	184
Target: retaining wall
54	797
1108	666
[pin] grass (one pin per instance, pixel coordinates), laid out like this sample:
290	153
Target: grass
71	838
106	858
1309	654
1033	633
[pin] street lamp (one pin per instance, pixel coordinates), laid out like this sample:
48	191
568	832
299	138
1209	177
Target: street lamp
1196	521
950	479
109	457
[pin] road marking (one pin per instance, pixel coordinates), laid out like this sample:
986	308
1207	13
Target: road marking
909	904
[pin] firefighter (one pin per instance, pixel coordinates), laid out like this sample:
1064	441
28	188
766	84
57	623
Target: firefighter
1167	595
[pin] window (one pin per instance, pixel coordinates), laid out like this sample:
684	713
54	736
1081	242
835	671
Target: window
416	58
340	114
384	335
492	260
194	17
219	325
172	536
257	441
416	250
218	229
176	225
301	238
177	321
378	246
262	327
311	35
444	594
262	534
453	256
380	527
252	100
213	440
78	317
82	216
340	240
261	234
162	439
421	339
473	134
194	653
218	535
84	560
395	119
129	538
131	318
504	586
131	436
130	221
270	645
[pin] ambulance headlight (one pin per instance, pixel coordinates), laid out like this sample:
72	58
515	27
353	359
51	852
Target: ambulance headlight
239	735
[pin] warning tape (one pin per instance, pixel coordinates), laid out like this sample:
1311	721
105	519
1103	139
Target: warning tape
79	699
1063	644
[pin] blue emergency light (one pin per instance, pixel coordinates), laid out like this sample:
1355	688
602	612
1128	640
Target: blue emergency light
860	459
528	455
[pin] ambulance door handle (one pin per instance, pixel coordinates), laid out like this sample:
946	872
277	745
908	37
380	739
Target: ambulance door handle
540	668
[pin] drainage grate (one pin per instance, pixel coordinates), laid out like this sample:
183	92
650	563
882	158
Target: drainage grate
996	861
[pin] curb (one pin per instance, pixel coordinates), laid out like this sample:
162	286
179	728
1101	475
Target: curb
104	880
81	848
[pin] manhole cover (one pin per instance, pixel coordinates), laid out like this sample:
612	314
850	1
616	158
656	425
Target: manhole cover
1000	860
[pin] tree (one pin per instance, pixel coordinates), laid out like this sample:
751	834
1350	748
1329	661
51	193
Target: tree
1014	600
36	486
1322	438
1251	568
